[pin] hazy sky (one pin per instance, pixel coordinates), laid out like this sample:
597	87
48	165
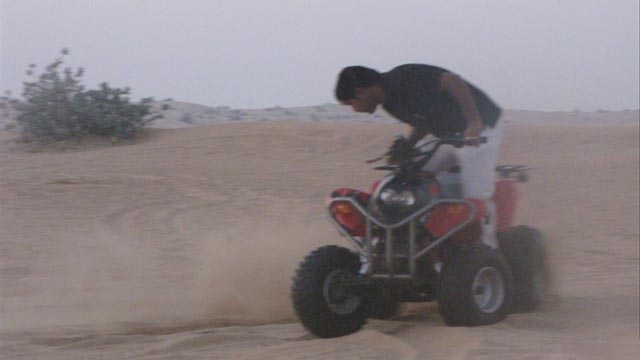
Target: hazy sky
526	54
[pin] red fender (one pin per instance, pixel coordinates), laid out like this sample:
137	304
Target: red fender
506	198
346	214
447	216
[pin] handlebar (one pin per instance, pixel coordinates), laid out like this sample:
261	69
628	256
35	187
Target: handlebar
466	142
456	141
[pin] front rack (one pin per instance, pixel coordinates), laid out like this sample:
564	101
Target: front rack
366	249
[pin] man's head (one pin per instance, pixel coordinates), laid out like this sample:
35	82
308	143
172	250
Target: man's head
359	87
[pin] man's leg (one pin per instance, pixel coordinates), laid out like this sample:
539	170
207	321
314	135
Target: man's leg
442	160
489	225
478	177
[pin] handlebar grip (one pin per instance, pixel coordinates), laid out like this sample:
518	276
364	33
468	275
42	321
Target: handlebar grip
386	167
471	141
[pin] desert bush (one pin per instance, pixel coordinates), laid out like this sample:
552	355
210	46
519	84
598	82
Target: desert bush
187	118
5	105
56	106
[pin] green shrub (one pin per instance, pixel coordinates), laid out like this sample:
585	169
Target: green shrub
56	106
187	118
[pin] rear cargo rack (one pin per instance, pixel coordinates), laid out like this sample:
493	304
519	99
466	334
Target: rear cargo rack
518	172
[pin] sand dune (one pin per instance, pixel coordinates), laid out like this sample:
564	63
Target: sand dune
183	245
185	114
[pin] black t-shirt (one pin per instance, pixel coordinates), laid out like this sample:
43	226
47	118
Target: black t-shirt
412	97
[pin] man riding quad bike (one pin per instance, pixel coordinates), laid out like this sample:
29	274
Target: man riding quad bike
417	239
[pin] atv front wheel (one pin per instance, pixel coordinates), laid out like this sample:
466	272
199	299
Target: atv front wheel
320	294
476	288
524	250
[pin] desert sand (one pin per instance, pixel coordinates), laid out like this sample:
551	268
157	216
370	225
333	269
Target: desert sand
182	245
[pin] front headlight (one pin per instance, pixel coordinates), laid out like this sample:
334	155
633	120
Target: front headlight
391	197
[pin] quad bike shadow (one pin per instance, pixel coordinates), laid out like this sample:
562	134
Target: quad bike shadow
418	240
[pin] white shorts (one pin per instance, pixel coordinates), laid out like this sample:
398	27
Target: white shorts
477	174
477	164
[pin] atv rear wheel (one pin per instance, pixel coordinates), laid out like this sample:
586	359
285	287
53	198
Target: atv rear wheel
320	294
476	288
524	250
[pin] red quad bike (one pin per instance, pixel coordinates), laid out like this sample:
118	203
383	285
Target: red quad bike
416	240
